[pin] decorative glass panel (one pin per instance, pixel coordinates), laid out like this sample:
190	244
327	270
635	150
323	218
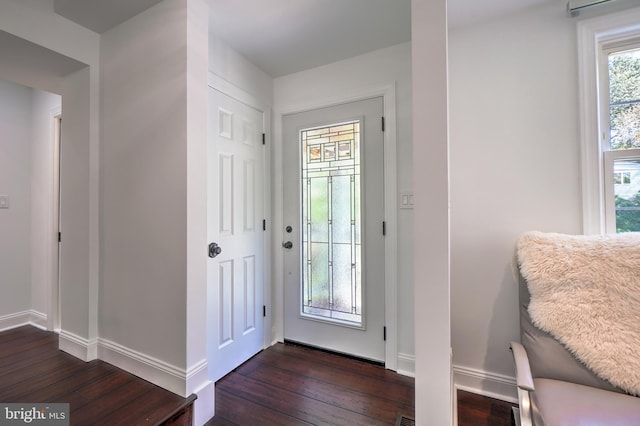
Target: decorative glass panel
331	264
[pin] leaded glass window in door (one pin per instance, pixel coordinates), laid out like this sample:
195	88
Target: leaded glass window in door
331	240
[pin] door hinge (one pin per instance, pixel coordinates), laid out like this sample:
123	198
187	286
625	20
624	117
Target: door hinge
264	138
264	224
384	228
384	333
383	124
264	311
59	237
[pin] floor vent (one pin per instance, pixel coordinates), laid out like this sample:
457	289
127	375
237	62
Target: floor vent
405	421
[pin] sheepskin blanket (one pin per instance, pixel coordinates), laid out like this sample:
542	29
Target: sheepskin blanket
585	292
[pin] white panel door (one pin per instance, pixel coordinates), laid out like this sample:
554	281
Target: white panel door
333	216
235	211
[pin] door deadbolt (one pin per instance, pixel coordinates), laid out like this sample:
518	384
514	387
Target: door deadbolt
214	250
289	229
287	245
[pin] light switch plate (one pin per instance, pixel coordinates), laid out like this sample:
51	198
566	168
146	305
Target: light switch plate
406	200
4	201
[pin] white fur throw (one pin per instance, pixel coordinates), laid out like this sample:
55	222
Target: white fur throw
585	292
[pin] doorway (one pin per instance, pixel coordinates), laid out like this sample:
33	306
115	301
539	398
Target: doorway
53	317
334	211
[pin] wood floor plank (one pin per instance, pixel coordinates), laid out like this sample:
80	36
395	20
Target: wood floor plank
361	401
391	391
103	407
296	405
234	410
474	410
338	362
283	385
33	370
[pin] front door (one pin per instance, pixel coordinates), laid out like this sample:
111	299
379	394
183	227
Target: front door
333	216
235	210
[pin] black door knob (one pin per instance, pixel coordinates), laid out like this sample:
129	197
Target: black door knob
214	250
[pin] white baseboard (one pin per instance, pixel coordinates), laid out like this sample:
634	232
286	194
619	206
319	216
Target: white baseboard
204	406
406	365
30	317
174	379
38	319
485	383
147	367
86	350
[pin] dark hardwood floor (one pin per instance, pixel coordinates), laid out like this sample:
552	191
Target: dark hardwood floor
478	410
282	385
293	385
33	370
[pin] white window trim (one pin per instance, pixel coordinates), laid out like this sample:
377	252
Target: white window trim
593	34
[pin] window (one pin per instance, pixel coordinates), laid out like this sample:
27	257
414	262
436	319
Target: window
331	265
609	60
621	128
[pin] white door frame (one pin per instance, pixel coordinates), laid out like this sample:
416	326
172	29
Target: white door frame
388	93
53	288
218	83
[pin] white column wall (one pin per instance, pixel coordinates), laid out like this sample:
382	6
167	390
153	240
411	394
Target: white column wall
431	228
144	183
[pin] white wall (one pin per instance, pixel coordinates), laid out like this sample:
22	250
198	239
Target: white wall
15	181
514	167
374	70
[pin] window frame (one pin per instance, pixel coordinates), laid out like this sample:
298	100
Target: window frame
596	38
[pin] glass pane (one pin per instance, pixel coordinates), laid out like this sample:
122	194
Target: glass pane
624	98
342	289
627	194
331	220
318	205
341	204
319	264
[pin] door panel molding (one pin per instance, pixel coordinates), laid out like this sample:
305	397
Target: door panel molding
388	93
227	88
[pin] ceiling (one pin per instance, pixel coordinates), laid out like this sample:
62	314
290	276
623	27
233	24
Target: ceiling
285	36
